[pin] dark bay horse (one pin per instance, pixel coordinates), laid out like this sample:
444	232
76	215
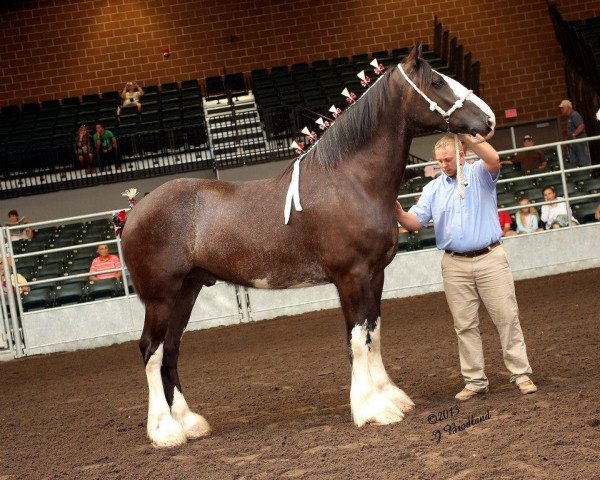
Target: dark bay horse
189	233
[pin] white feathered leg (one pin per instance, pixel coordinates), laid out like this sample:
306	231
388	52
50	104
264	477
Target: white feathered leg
194	425
381	380
163	429
369	404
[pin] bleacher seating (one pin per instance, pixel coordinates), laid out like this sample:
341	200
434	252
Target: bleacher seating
37	126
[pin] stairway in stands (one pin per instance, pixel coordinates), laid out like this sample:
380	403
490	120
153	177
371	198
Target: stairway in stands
234	129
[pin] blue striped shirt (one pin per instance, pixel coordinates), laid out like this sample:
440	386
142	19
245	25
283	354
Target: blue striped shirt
461	225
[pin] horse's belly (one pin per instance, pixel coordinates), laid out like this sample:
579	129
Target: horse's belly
290	279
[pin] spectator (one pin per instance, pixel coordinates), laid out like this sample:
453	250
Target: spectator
13	219
506	224
527	218
529	160
131	96
106	147
597	212
555	215
579	153
84	149
18	279
105	261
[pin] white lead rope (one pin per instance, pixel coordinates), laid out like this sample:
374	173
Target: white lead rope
460	174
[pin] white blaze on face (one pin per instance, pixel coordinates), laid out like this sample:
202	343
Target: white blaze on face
461	91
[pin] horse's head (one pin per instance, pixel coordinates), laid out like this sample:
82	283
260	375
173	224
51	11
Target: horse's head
448	105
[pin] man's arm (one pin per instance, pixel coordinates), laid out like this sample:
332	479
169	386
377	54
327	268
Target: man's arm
407	219
485	151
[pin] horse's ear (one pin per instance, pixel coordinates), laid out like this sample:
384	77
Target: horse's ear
414	55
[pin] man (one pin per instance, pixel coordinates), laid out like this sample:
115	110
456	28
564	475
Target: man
531	159
579	154
106	147
105	261
474	266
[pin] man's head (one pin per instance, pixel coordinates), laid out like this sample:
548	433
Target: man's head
13	216
103	250
99	128
549	193
566	107
528	141
444	152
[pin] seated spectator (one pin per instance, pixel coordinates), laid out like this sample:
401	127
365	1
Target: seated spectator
13	219
527	218
555	215
16	280
106	147
597	212
506	224
84	149
104	261
529	160
131	96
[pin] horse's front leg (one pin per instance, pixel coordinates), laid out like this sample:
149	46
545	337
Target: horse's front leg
373	396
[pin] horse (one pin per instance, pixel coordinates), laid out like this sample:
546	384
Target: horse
190	233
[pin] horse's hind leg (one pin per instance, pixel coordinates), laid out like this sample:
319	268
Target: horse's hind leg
373	396
170	421
194	425
163	430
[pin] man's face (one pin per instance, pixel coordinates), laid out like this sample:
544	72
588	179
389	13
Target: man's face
447	160
13	218
549	195
99	129
528	142
103	250
565	110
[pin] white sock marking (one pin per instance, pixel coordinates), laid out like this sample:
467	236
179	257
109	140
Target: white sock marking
162	429
373	396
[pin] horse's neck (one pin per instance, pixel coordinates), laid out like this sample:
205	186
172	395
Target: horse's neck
381	163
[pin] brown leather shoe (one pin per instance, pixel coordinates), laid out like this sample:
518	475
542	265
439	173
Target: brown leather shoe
467	393
527	387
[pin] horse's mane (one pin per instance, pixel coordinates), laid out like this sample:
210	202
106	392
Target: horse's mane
357	125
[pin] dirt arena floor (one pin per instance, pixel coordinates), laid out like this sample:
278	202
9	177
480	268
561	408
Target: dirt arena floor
276	394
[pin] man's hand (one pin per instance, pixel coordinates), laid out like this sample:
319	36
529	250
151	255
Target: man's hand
399	210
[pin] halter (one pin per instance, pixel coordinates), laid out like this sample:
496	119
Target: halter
432	105
460	178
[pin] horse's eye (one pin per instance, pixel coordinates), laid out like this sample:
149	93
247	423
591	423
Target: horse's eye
437	83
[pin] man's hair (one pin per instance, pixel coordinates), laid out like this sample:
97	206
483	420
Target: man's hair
13	212
442	143
548	187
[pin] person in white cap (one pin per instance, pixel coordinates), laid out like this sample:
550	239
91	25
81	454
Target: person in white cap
579	154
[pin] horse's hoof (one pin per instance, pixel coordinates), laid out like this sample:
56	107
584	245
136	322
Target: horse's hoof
375	409
398	397
195	426
167	434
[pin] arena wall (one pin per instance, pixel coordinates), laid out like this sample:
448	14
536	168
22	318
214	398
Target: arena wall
72	47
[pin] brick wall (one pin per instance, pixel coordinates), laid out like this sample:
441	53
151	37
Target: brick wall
72	47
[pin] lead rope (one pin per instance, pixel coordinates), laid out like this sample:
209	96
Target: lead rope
460	175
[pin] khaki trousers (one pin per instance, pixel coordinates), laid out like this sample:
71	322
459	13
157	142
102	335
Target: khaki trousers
489	278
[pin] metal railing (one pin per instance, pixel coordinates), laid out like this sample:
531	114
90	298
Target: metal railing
562	172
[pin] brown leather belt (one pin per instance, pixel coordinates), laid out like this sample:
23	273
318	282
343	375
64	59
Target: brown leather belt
474	253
